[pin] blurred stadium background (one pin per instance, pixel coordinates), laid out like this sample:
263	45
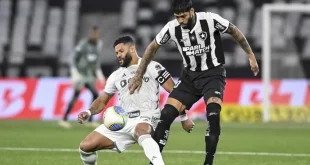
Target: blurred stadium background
36	41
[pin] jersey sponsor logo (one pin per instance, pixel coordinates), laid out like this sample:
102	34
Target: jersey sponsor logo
163	77
133	114
195	50
92	57
203	35
123	83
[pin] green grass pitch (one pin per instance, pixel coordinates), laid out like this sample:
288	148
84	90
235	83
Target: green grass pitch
45	143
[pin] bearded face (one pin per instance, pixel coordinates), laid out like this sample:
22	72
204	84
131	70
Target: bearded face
125	61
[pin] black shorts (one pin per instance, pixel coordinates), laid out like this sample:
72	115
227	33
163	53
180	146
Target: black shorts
193	85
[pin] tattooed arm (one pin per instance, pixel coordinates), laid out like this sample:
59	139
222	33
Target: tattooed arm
243	43
99	104
136	81
147	57
96	107
240	39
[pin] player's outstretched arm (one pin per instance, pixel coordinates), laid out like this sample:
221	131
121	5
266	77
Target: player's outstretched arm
136	81
96	107
99	104
243	43
147	57
168	85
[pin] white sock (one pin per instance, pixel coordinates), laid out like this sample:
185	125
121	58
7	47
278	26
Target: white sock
151	149
89	158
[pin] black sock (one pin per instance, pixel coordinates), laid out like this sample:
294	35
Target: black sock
168	114
213	132
71	103
211	145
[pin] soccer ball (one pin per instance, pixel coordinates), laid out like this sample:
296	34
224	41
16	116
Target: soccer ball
114	118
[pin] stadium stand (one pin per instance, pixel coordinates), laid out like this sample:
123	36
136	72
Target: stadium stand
37	36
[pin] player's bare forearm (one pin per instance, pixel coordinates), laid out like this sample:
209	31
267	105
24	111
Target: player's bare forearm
240	39
168	85
99	104
147	57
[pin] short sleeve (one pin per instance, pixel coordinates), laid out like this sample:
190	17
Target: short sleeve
221	24
158	72
110	87
163	36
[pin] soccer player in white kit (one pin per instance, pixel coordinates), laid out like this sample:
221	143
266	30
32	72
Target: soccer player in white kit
142	107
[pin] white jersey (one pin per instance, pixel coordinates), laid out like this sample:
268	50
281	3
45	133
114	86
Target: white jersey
147	99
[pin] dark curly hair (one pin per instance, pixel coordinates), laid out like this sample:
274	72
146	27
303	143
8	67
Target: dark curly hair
181	6
124	40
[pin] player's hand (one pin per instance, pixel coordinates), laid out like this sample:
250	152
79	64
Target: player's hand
135	84
82	117
254	65
188	125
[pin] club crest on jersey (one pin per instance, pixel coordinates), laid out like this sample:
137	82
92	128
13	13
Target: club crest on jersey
203	35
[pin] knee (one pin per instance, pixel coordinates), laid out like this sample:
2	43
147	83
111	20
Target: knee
176	104
216	100
143	129
86	146
169	113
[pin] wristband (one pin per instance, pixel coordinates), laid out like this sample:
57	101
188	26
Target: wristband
89	113
183	117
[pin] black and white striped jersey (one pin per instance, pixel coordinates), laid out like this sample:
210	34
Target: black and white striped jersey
200	47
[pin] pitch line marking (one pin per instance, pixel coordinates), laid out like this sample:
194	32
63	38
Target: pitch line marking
165	151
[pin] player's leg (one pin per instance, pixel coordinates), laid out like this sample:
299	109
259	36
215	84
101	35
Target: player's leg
182	97
92	143
78	83
213	96
142	134
91	86
71	103
103	138
77	88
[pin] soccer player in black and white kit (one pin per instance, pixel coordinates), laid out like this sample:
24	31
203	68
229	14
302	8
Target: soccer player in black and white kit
197	36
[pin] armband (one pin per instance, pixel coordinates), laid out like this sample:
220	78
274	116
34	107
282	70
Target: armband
163	77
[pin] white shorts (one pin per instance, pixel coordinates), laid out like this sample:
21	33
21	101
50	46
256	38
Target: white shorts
124	138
